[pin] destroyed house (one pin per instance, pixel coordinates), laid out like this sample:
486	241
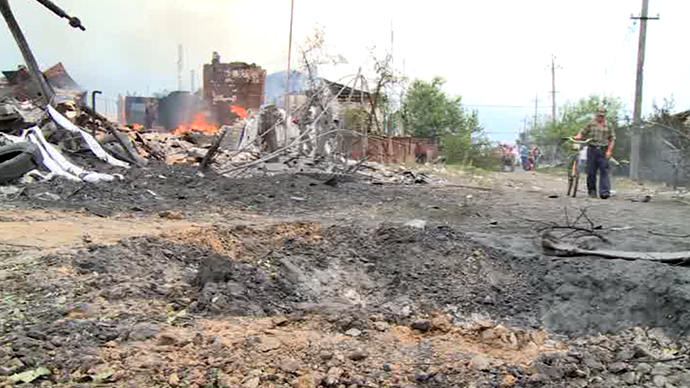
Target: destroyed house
23	88
349	96
231	85
351	104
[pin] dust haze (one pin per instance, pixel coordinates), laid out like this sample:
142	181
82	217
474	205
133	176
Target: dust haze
131	46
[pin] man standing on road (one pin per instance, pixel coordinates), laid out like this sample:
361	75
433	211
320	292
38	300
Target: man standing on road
524	156
599	152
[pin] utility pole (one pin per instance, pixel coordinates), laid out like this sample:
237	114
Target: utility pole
636	138
287	89
553	87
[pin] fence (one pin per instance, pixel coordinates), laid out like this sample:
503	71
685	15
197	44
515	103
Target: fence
389	149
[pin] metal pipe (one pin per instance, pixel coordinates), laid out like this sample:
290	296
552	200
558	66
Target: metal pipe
288	86
93	99
73	21
32	65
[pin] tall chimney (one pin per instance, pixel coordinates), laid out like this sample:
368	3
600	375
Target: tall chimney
180	66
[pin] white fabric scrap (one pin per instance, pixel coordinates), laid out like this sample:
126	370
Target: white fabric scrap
58	164
54	154
92	143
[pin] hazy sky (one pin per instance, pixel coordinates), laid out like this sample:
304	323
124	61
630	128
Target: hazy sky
492	52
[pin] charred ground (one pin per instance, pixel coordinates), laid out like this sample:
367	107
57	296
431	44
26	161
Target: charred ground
340	292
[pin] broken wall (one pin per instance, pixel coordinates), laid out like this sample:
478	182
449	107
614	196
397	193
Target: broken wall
233	84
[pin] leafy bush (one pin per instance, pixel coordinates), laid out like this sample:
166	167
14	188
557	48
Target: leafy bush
462	149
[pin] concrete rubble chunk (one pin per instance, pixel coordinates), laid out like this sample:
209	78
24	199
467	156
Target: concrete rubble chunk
252	383
481	363
144	331
629	378
358	355
269	343
290	365
659	381
417	224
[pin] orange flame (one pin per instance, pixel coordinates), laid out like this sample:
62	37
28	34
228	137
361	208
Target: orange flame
239	111
137	126
200	124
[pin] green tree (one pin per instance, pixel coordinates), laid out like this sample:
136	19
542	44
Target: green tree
429	112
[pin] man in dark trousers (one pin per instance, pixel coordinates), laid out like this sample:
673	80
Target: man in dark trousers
599	152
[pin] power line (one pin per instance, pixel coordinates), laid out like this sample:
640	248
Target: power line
610	69
501	106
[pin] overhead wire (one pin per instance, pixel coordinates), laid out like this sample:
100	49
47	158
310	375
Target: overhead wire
610	69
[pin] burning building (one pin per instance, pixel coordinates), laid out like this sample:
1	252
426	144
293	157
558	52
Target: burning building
232	90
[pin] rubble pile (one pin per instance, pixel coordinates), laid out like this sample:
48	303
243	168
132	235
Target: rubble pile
634	357
73	129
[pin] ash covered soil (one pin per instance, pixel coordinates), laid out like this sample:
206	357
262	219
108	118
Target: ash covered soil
302	304
181	188
348	296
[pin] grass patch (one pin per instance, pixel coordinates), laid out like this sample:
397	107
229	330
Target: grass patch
553	170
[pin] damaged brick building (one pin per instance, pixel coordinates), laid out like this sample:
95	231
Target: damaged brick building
232	89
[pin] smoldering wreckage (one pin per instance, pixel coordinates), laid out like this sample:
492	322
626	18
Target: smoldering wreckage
329	285
39	142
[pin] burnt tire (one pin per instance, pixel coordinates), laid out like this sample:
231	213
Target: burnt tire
16	160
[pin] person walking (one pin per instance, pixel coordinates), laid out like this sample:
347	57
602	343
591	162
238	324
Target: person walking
524	156
599	151
536	155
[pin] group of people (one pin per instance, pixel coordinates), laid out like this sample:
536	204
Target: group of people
527	157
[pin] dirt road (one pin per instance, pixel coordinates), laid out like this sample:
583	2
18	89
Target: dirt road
177	280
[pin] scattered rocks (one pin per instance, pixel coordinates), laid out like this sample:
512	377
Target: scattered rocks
421	376
508	381
252	383
422	325
617	367
326	355
640	351
333	376
629	378
281	320
441	323
480	363
417	224
171	215
167	340
358	355
659	381
308	380
381	326
11	367
144	331
354	332
269	343
290	365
